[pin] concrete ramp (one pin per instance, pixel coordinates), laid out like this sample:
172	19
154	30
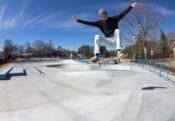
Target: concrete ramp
90	67
73	91
157	106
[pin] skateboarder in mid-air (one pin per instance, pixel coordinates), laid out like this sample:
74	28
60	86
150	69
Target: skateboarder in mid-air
109	26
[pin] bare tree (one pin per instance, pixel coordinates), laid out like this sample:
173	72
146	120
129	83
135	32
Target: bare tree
86	51
38	45
21	49
8	49
164	45
143	23
171	39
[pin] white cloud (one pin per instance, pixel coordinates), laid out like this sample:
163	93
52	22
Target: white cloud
70	24
20	19
2	10
40	19
122	5
30	21
157	8
163	10
10	19
48	18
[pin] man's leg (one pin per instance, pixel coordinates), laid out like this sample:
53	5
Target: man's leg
118	43
117	37
97	42
100	40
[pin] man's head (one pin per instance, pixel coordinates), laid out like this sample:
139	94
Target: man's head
103	14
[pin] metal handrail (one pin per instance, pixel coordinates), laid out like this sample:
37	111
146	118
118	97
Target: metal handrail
163	69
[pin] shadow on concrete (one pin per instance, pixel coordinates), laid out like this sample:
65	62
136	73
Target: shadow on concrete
9	75
23	73
152	88
55	66
38	70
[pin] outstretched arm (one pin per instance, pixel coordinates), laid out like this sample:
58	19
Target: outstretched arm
84	22
125	12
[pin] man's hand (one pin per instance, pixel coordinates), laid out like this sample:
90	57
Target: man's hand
134	5
74	18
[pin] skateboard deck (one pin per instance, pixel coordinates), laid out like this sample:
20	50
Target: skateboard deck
114	60
108	60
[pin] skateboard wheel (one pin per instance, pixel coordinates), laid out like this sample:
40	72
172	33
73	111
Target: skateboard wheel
116	62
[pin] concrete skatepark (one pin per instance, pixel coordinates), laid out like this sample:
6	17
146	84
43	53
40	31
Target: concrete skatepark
68	90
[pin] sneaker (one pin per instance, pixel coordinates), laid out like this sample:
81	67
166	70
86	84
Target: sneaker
95	59
119	54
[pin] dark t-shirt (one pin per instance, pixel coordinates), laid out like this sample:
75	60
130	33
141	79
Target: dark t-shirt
110	25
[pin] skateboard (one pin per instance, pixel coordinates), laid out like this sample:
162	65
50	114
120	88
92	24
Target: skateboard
109	60
114	60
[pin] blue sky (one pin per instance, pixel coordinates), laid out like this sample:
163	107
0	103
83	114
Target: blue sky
29	20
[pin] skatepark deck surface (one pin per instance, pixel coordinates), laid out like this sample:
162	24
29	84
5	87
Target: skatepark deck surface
68	90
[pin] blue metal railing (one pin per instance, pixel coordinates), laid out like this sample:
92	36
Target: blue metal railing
163	69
